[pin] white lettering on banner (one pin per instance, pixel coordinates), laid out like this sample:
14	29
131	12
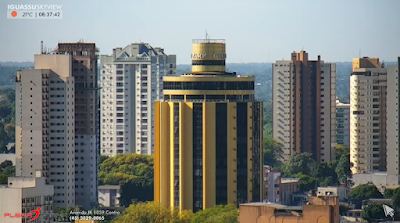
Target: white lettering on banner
219	55
198	56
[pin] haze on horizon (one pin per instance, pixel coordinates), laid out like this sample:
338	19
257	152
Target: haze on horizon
254	30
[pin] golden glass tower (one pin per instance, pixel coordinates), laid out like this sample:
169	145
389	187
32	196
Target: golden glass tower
208	135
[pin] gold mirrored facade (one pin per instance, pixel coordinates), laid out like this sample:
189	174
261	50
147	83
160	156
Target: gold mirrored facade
208	135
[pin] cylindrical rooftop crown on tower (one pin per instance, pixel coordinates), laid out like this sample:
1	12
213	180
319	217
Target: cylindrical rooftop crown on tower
208	55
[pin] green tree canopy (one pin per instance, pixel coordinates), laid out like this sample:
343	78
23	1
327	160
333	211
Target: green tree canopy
393	194
217	214
299	163
133	172
102	159
151	212
306	182
374	213
273	152
5	164
364	191
5	173
343	164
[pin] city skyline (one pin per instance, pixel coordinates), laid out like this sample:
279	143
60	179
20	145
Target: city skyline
264	25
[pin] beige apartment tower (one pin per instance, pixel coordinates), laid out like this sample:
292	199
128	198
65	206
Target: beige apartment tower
368	115
304	101
56	122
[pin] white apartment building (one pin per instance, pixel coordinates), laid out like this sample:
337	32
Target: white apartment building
131	80
24	194
342	124
56	120
109	195
368	103
304	99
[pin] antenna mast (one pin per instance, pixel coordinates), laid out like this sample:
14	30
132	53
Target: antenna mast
41	47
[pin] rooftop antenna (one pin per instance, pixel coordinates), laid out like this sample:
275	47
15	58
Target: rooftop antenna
41	47
207	36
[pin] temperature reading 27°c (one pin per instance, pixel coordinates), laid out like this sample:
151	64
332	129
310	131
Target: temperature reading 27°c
27	14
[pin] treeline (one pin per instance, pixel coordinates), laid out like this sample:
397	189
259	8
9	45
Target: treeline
133	172
7	118
263	76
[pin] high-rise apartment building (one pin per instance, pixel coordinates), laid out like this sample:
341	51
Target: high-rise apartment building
393	124
208	135
304	99
342	124
131	80
56	120
368	115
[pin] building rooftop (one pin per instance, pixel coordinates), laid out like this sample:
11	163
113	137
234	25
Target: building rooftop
109	187
289	180
208	41
274	205
211	73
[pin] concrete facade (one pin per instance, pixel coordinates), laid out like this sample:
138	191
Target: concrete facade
342	124
304	97
319	210
288	187
109	195
131	81
375	144
44	128
272	181
24	194
393	124
368	114
340	192
56	122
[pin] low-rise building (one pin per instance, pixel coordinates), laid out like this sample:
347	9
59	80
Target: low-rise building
321	209
288	187
272	181
24	195
341	192
109	195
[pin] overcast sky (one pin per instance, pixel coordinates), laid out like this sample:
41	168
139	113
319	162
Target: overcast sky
254	30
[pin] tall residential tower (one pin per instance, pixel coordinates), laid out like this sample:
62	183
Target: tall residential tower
56	120
131	81
208	135
368	115
304	99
